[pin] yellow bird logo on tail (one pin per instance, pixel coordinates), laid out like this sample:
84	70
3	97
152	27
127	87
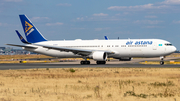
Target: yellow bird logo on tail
28	26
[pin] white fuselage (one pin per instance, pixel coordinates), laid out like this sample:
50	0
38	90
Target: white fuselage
121	48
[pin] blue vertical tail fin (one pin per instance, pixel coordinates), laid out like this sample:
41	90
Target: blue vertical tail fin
21	38
31	32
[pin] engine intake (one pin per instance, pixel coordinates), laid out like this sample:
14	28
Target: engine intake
99	56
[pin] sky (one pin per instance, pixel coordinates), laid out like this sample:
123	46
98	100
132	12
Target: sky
93	19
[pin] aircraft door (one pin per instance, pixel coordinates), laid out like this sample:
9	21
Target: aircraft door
154	46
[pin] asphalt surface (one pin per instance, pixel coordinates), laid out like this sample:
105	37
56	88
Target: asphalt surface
76	64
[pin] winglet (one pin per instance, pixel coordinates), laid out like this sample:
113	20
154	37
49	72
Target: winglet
21	38
106	38
31	32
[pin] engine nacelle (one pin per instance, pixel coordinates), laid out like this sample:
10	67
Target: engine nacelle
125	59
99	56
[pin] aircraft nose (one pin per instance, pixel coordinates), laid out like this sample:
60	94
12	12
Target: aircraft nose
173	48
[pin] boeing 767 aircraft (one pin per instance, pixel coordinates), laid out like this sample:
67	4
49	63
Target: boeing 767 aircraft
98	50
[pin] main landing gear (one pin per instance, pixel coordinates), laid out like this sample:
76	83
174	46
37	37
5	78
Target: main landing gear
85	62
162	60
88	62
101	62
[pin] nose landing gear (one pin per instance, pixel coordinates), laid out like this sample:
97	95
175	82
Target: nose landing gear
162	60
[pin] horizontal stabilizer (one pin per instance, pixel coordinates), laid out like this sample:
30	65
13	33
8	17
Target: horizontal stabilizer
21	38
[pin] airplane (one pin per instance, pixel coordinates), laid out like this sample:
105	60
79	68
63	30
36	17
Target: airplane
98	50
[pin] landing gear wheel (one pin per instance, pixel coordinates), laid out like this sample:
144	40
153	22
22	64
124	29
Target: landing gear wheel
82	62
161	62
101	62
85	62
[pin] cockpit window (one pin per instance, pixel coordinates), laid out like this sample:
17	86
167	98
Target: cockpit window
168	44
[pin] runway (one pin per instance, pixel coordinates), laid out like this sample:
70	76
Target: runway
76	64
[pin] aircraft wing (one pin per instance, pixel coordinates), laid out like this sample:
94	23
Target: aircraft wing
83	52
25	46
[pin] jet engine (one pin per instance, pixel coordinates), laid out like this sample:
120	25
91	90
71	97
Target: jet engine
99	56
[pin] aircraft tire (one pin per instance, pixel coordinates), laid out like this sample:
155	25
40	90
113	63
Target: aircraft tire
82	62
85	62
161	62
100	62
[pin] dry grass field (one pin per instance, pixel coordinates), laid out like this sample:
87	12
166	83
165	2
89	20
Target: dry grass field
90	84
23	56
32	59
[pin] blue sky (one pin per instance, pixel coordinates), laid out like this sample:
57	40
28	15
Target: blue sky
93	19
